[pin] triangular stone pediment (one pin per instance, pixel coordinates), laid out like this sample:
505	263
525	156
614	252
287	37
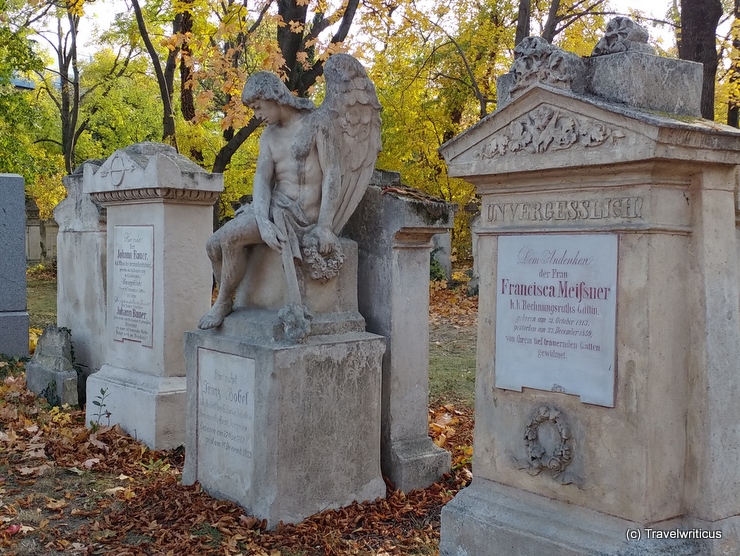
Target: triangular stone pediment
547	128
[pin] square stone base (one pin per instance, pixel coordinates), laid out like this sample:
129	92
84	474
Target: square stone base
285	431
149	408
59	387
490	519
14	333
415	463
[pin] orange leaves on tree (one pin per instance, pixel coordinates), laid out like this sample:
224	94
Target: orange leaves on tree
76	7
302	59
333	48
296	26
236	114
274	60
202	100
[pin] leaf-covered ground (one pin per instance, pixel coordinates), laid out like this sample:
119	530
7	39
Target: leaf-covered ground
66	489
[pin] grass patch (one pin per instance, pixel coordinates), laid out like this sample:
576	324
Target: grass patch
451	377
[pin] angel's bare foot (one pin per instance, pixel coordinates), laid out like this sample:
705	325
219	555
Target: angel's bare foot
215	316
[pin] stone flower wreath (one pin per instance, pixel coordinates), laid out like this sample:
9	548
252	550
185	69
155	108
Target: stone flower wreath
538	459
323	267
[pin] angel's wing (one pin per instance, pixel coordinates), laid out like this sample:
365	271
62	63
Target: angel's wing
354	110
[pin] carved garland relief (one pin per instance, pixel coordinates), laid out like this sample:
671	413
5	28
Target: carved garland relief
538	458
549	128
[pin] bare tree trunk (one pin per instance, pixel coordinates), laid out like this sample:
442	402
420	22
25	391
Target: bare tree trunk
187	101
165	78
733	104
522	22
699	19
550	29
69	102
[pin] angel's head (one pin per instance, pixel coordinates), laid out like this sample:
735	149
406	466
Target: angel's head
265	85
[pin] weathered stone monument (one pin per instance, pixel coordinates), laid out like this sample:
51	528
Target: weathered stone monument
158	216
50	373
393	227
283	379
81	270
13	310
607	419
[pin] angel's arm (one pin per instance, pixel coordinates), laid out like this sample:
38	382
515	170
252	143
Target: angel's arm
262	193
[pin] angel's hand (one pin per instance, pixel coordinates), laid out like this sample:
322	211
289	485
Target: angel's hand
271	235
325	240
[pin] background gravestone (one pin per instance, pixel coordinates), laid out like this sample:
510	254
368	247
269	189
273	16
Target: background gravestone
81	271
13	308
394	226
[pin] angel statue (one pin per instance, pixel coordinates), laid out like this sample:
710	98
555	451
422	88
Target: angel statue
313	168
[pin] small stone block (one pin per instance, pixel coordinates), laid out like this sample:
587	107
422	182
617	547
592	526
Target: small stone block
50	372
417	463
646	81
59	387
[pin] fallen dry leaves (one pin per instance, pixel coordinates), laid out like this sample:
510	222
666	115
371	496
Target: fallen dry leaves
452	305
65	489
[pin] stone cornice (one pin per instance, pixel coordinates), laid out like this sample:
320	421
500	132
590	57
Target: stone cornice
156	194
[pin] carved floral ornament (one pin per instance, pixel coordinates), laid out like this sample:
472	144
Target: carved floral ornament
537	61
538	459
549	128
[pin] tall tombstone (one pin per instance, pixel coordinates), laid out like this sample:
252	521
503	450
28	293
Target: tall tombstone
13	308
394	226
607	419
284	389
81	269
159	215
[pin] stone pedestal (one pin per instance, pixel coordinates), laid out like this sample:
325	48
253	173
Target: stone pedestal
609	333
13	311
159	216
285	431
394	230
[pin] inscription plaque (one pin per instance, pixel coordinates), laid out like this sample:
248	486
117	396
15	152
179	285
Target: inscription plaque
226	419
133	284
556	314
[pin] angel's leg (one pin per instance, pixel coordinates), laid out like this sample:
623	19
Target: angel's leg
226	250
